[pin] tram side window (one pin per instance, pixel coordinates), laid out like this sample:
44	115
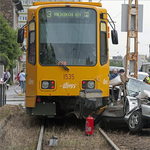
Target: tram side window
103	43
32	44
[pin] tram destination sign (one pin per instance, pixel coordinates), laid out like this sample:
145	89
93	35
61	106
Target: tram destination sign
65	13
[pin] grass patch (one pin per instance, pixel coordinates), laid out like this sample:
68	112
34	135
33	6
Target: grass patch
74	138
21	132
5	111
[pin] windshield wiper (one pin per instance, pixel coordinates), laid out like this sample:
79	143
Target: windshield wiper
61	64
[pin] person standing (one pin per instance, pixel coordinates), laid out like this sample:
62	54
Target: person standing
6	78
18	78
121	71
22	80
3	74
147	79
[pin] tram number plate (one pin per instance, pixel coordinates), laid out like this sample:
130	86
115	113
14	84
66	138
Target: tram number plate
68	76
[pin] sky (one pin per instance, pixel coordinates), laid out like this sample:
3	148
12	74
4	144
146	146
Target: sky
114	9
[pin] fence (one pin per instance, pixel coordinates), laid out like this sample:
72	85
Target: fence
2	94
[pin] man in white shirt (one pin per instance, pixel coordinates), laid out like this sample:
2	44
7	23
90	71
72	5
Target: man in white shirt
22	79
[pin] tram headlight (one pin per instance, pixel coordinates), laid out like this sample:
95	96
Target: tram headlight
48	84
86	84
45	84
91	84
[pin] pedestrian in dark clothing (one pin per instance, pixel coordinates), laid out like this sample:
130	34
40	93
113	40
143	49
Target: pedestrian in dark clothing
114	75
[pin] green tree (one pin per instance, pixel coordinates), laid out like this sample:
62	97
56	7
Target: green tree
9	48
113	63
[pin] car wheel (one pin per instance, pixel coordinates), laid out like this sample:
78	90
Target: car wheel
136	122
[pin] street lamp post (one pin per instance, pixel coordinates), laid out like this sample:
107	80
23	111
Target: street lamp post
14	14
19	7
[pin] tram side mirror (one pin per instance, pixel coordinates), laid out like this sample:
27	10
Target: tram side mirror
114	36
20	37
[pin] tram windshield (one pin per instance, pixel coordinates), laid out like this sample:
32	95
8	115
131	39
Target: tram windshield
68	35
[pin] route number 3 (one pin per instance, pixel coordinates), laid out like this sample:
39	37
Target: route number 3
68	76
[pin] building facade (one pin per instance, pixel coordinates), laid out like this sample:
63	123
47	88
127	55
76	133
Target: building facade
9	9
22	18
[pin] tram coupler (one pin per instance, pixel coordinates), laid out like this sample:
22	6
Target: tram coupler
90	101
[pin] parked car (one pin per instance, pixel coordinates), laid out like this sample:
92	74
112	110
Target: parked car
141	75
145	67
130	103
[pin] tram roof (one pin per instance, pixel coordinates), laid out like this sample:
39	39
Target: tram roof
81	3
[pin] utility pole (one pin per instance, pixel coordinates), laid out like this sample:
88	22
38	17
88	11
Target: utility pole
132	33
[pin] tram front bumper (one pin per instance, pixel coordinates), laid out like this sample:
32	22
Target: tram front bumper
43	109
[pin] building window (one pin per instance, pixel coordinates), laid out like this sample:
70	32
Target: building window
18	18
22	18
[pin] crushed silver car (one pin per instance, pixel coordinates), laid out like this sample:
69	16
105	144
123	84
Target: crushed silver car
129	102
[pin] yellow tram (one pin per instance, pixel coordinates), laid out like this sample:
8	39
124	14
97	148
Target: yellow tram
67	61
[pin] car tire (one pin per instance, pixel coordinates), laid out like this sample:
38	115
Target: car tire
136	122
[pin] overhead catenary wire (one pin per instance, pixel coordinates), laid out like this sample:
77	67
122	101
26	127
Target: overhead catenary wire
117	15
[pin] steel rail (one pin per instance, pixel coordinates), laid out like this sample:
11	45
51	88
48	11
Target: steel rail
109	140
39	146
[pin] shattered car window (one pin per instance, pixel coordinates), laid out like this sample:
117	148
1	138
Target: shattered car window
135	86
142	76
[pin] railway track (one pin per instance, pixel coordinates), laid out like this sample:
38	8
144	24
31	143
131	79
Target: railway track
39	145
113	145
67	130
106	137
